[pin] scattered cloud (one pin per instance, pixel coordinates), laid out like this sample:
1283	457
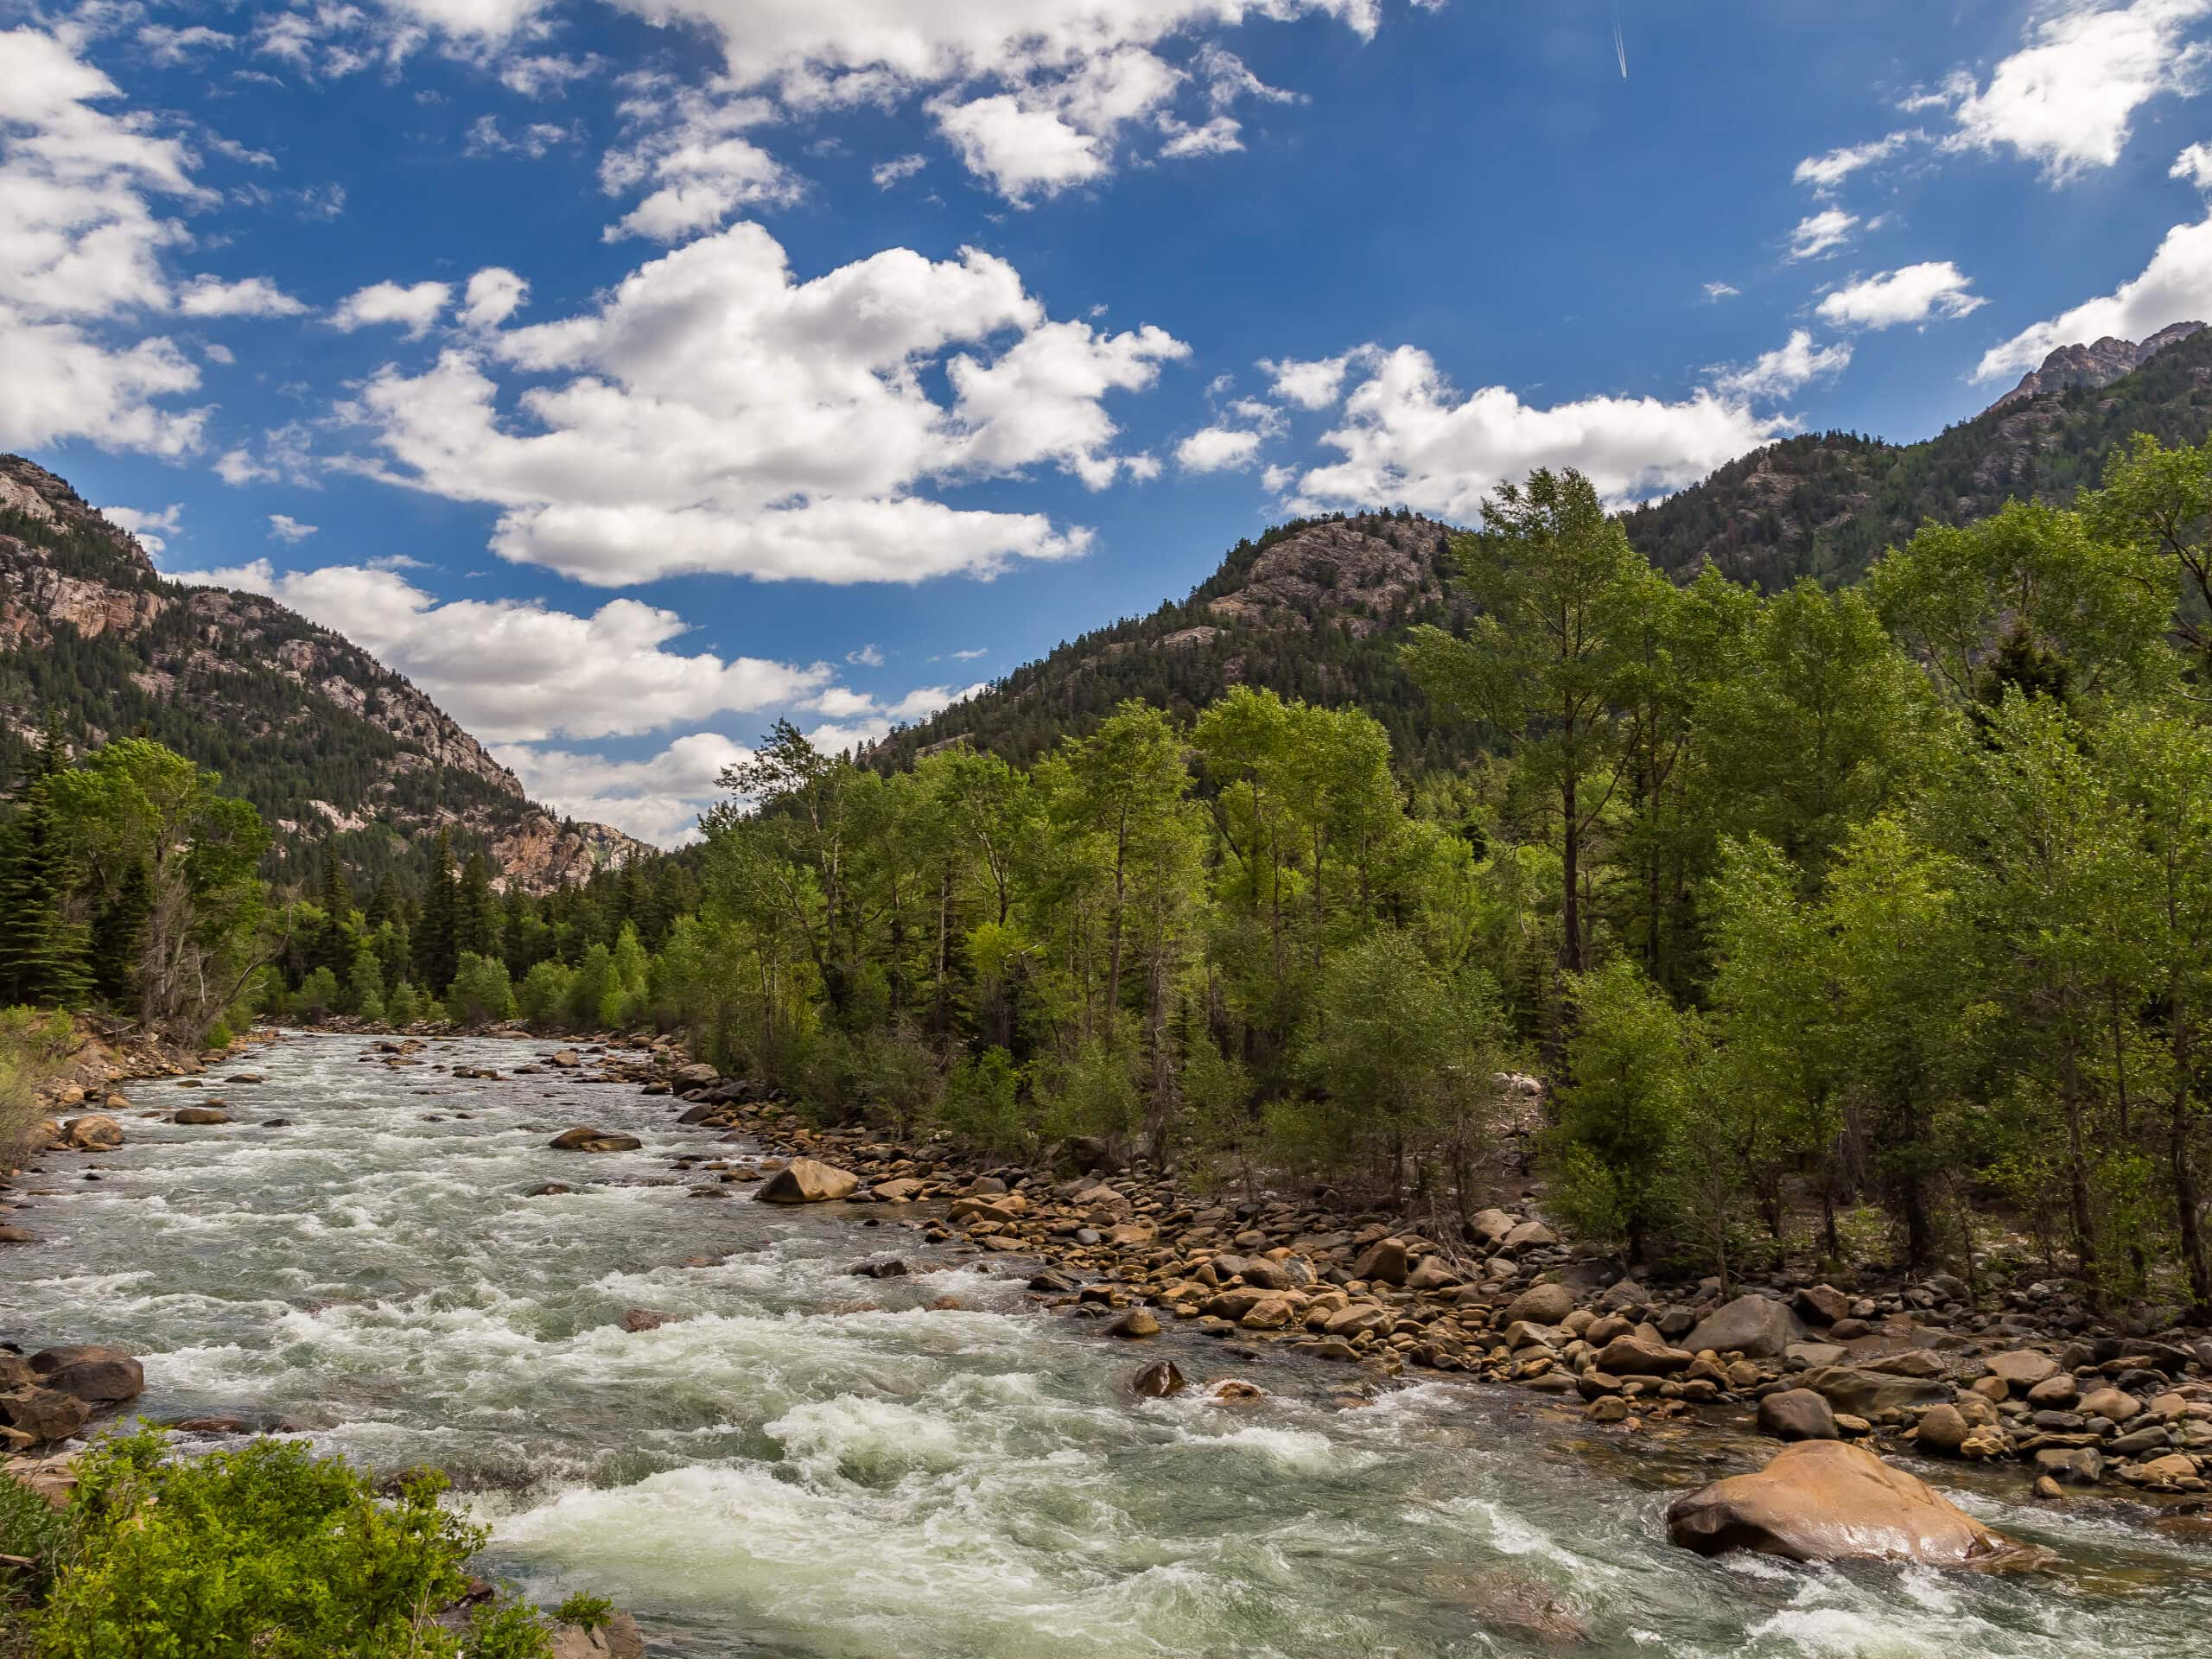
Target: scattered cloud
289	530
1821	233
1217	448
870	656
1311	383
253	296
1718	291
513	671
2067	99
2174	287
715	413
494	294
171	48
1405	435
886	174
1824	173
413	309
2193	164
1936	288
81	259
688	150
535	141
1795	363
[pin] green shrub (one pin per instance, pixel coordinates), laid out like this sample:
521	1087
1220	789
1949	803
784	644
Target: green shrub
585	1612
480	992
266	1550
218	1035
544	995
32	1046
33	1528
317	996
404	1006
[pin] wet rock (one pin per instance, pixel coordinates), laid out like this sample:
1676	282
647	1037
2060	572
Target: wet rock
1158	1380
100	1377
1138	1322
2076	1465
17	1236
44	1415
92	1133
581	1138
201	1114
1233	1391
637	1319
1516	1605
698	1075
548	1190
1051	1281
1797	1414
1827	1500
901	1190
1607	1409
567	1059
889	1268
804	1180
618	1637
1755	1327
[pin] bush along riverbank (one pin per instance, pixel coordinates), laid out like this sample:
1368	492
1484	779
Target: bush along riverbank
2019	1377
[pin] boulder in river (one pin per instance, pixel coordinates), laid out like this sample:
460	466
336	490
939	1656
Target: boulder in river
1755	1327
804	1180
1158	1380
44	1415
636	1320
616	1637
1828	1501
100	1377
1516	1605
589	1140
202	1115
1137	1322
94	1132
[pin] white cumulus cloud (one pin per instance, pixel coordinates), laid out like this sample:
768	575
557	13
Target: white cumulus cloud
413	309
715	413
1821	233
1934	288
2174	287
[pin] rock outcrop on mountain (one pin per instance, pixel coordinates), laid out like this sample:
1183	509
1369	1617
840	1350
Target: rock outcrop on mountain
2096	364
311	728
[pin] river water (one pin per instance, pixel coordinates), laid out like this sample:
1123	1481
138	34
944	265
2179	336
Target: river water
805	1463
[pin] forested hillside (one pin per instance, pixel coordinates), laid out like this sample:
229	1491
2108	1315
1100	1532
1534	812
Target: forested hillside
1318	608
312	730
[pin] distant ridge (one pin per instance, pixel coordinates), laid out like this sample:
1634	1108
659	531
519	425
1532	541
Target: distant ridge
2096	364
316	733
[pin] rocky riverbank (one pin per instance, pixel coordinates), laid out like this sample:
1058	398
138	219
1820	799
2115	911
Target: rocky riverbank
2020	1378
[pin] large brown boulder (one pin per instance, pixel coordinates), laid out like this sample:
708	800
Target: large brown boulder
805	1181
43	1413
1634	1356
1385	1260
100	1377
96	1132
1796	1414
1829	1501
1539	1305
202	1115
1755	1327
1863	1393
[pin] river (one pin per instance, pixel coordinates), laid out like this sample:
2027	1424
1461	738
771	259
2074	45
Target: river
805	1463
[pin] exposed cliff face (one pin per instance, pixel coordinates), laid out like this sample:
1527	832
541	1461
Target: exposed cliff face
2096	364
242	684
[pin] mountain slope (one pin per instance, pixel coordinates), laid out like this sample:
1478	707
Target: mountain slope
1827	504
313	731
1317	608
1312	609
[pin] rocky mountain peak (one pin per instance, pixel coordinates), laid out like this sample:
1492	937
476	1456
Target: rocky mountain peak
2096	364
28	488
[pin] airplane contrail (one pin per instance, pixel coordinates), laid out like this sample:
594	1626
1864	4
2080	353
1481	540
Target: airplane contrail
1620	47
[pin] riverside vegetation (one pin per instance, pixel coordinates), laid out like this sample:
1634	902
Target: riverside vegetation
1867	923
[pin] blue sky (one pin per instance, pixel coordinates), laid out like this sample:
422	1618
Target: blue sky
629	375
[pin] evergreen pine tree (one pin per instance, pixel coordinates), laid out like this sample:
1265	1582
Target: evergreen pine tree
119	936
45	959
437	954
476	911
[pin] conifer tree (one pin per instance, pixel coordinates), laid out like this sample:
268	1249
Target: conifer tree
436	953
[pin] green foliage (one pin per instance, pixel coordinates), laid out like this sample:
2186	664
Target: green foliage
318	995
404	1006
981	1104
585	1612
265	1550
32	1048
543	999
480	993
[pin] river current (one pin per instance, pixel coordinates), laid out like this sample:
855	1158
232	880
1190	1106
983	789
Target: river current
801	1462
